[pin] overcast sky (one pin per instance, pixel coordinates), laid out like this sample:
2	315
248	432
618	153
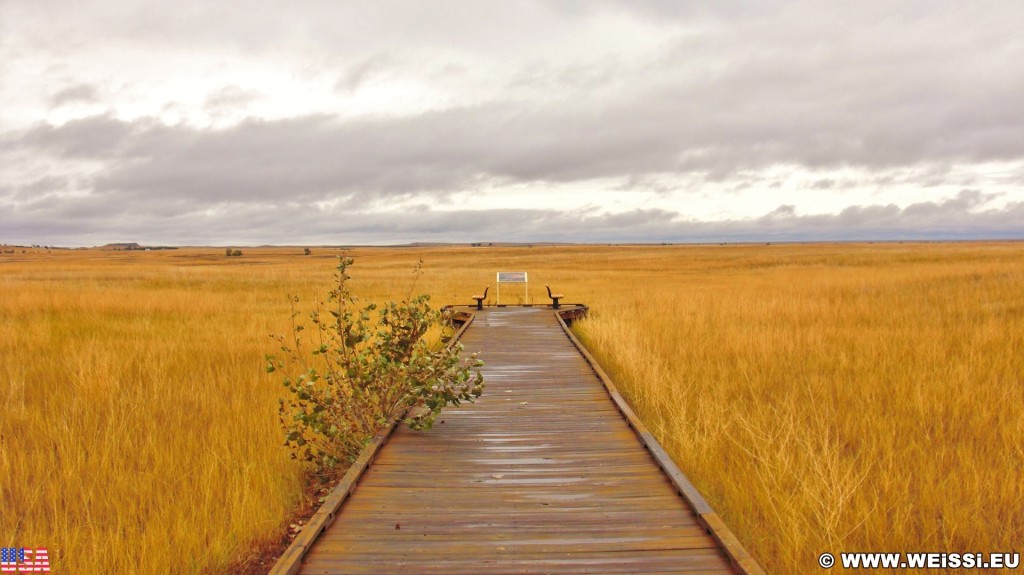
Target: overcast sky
195	123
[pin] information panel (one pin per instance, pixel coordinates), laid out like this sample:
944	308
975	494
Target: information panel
513	278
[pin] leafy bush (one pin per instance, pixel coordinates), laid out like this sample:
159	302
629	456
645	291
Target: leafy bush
363	367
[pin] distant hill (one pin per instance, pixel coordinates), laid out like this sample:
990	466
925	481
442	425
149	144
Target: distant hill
121	246
131	246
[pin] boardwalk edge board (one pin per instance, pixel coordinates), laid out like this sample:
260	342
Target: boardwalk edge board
714	525
291	560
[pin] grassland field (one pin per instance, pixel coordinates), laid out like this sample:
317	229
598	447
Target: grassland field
849	397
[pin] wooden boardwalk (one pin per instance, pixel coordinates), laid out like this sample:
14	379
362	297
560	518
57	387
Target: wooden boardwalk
543	474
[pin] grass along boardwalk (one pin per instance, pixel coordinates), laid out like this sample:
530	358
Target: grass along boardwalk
549	472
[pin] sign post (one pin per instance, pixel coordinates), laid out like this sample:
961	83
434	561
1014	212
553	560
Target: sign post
513	278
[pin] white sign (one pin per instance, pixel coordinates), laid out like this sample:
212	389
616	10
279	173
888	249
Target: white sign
513	278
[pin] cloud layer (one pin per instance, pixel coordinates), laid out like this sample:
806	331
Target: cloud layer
639	121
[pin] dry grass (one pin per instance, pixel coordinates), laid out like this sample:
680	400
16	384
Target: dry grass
836	398
822	397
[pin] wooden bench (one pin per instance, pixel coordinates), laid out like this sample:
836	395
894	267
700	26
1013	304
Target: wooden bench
480	298
554	297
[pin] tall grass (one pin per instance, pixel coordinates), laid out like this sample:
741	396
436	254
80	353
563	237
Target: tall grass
822	397
138	434
838	399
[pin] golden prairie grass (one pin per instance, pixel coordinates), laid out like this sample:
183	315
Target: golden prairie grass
822	397
837	399
137	431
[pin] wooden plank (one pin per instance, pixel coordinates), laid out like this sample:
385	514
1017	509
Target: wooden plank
505	531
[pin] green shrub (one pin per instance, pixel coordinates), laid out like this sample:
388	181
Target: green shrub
361	368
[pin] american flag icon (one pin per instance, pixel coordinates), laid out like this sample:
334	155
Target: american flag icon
23	560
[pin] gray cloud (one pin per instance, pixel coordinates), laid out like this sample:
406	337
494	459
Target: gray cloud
86	93
959	217
456	149
95	137
362	71
229	98
904	92
93	219
867	83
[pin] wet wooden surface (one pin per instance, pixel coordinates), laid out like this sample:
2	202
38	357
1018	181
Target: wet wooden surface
541	475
